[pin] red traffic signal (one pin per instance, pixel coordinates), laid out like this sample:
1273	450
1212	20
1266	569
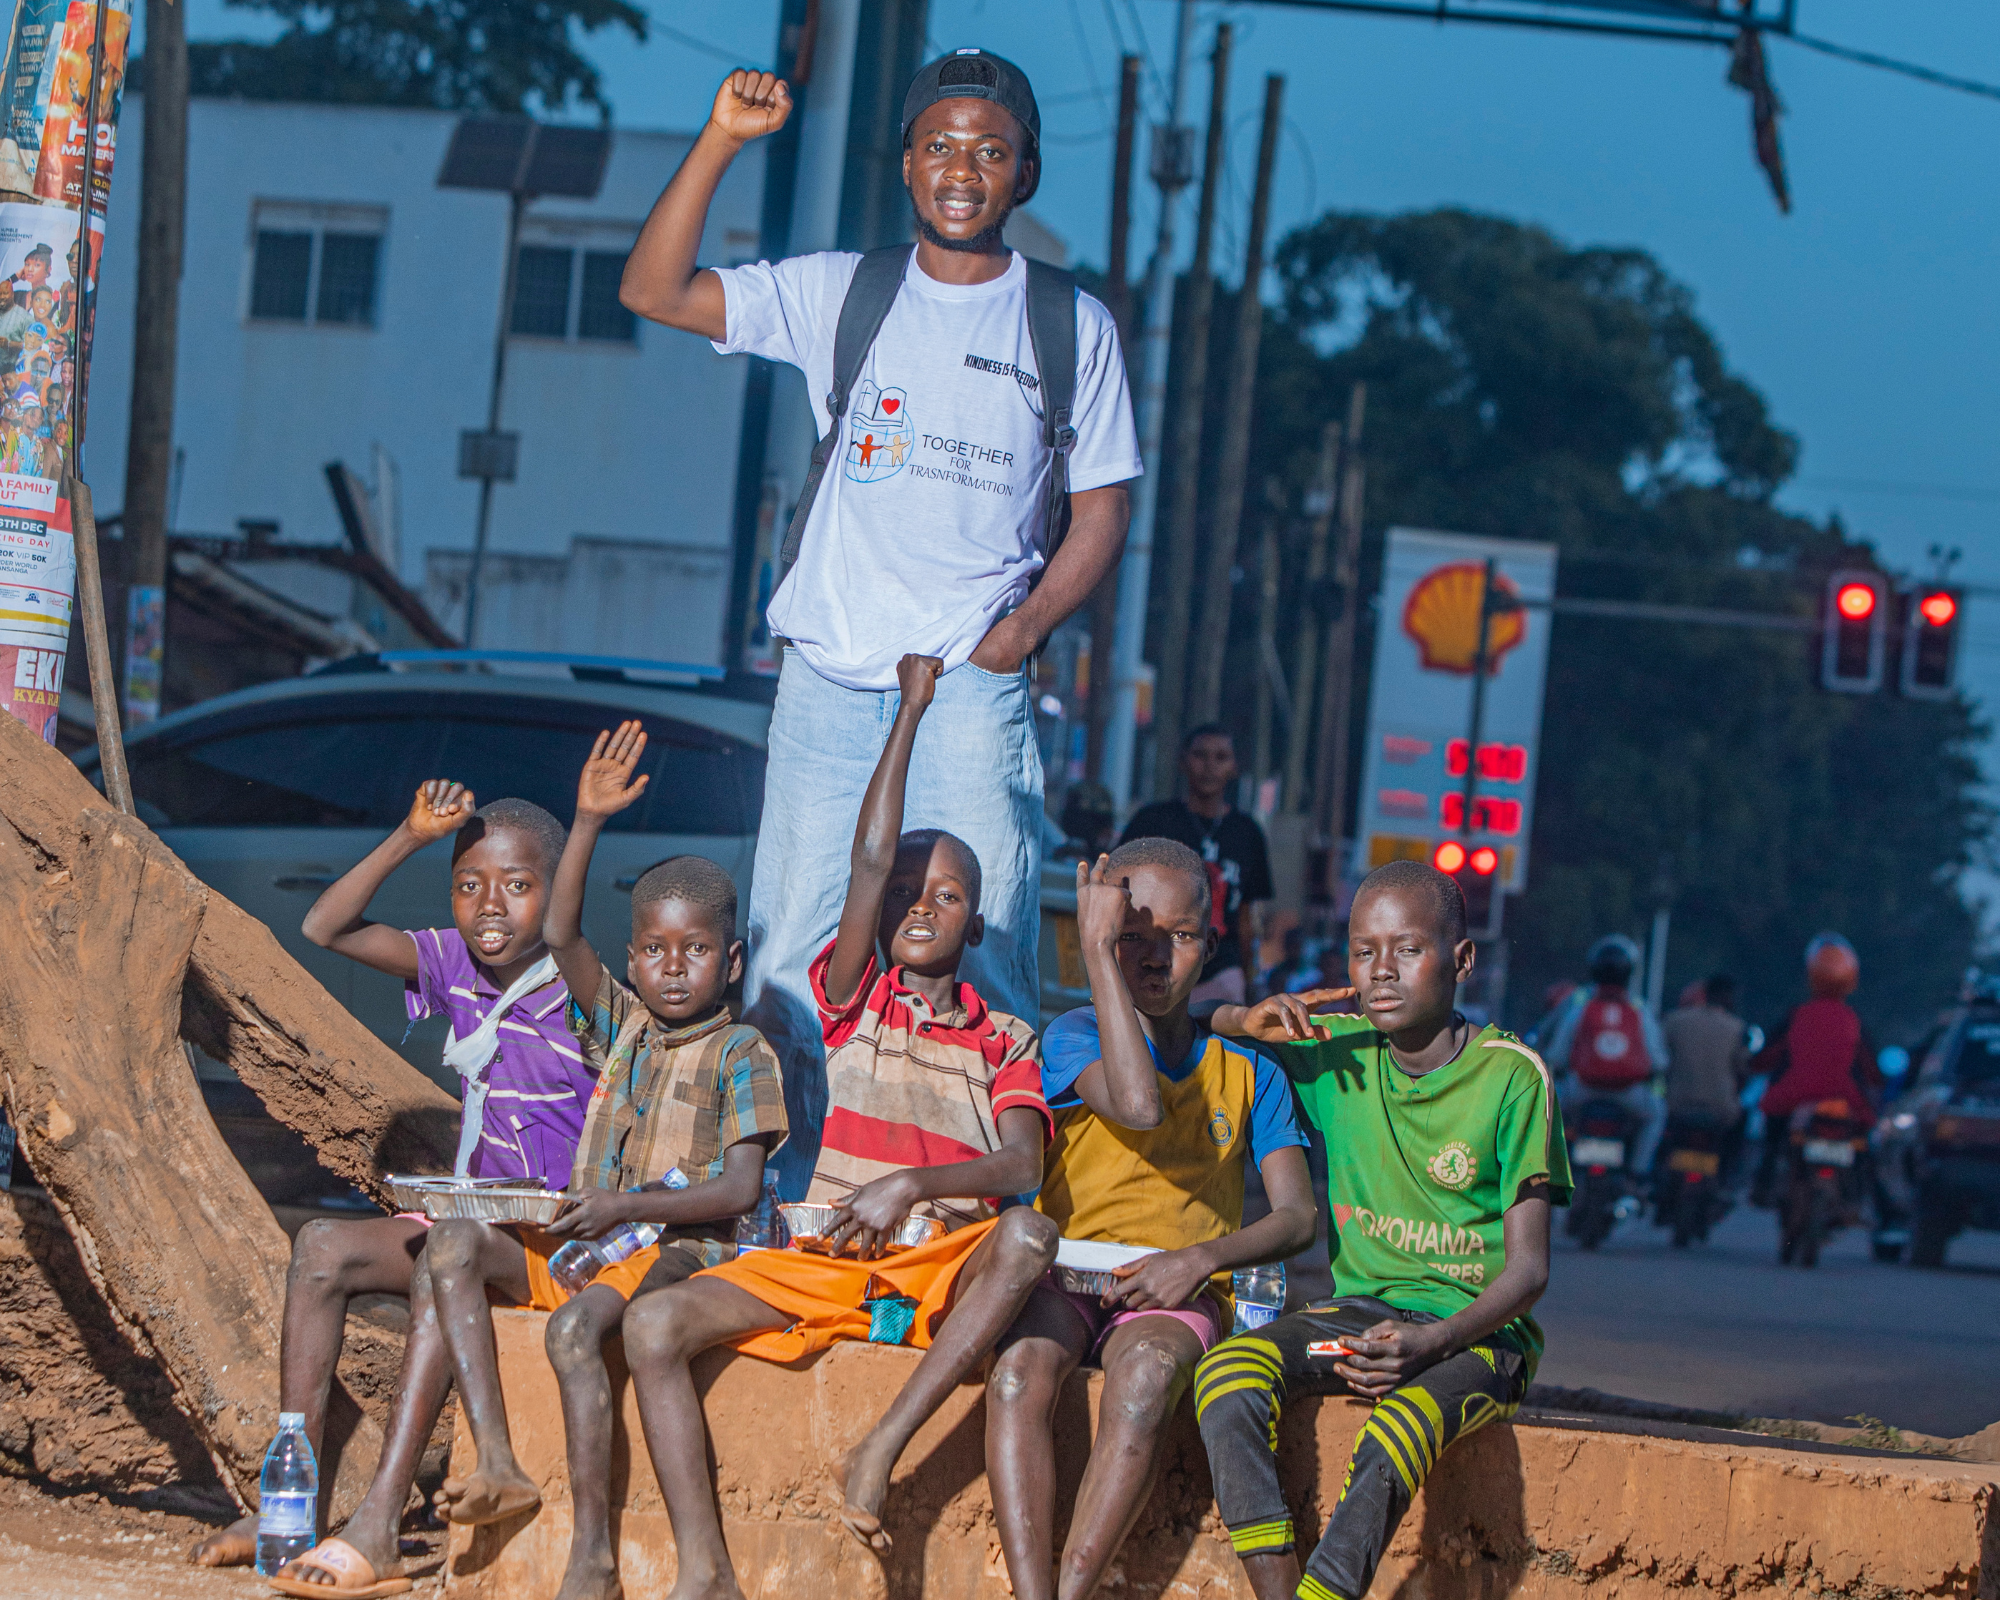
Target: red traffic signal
1484	860
1854	601
1929	666
1449	857
1853	633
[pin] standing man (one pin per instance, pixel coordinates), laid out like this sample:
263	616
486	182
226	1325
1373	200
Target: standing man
1232	845
929	532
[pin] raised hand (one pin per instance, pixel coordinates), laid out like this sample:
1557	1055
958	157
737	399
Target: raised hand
439	808
1101	905
917	677
607	786
1284	1018
750	105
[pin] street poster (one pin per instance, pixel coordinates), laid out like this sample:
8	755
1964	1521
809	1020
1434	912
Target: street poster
1420	700
47	140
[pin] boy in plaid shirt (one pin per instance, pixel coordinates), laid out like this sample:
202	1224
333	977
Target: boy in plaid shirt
682	1086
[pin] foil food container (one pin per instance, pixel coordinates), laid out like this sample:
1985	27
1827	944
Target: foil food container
810	1226
1084	1266
477	1199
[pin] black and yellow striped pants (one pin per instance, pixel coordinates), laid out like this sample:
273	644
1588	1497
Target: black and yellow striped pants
1240	1390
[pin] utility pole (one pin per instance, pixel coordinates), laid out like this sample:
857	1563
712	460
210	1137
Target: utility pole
1118	300
1238	398
149	450
1268	678
1171	682
517	203
1135	572
1321	499
1337	680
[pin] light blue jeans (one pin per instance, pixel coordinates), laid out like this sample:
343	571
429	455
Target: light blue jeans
975	771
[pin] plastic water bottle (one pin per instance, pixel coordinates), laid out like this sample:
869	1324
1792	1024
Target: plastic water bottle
287	1496
764	1228
578	1263
1260	1295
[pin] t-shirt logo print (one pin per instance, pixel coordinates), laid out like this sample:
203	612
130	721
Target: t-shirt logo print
1220	1129
1455	1166
881	437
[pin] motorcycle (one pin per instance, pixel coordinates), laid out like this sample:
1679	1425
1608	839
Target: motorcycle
1597	1156
1687	1195
1822	1192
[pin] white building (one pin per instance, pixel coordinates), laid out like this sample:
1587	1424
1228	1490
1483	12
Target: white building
338	305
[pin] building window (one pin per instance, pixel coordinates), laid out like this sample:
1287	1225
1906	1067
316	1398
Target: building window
283	272
598	313
347	277
564	293
318	264
541	291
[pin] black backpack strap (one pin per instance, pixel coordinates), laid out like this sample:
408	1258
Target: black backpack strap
1052	331
870	293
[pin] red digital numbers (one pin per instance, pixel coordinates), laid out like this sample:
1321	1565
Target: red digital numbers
1489	815
1498	763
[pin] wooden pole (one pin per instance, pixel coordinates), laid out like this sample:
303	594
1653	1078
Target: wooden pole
1337	681
149	450
1118	300
1213	640
1184	460
97	643
1267	649
1320	502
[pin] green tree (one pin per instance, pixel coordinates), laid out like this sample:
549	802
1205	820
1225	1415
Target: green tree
1524	389
456	55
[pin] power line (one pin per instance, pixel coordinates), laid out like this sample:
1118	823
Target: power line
1908	69
707	49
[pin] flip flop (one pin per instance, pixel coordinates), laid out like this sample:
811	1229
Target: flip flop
353	1575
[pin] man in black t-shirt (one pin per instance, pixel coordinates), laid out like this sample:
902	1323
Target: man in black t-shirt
1239	865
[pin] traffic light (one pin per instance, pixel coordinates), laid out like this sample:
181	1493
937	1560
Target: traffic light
1854	629
1475	870
1929	667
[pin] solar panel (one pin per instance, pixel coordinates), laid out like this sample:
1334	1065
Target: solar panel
506	154
487	153
567	161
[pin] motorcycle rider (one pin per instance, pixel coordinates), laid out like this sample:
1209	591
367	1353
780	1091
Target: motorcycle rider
1820	1052
1708	1061
1610	1047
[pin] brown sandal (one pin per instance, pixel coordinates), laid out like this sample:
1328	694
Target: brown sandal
354	1576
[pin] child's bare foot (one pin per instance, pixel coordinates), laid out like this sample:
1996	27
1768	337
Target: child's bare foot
233	1546
864	1484
715	1586
488	1497
591	1578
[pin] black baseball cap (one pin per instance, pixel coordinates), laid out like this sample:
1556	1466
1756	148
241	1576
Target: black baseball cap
974	74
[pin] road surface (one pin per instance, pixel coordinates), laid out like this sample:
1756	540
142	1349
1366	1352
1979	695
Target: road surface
1723	1327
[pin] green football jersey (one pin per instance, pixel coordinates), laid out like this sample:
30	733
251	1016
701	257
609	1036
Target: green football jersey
1421	1170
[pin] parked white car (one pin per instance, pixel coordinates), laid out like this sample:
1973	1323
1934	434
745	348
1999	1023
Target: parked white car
271	793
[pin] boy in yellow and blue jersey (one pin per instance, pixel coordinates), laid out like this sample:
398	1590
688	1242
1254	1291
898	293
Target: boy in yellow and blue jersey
1445	1152
1155	1119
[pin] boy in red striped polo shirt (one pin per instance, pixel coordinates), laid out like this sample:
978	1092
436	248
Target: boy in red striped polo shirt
934	1110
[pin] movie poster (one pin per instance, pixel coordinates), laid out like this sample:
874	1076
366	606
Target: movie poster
45	82
38	387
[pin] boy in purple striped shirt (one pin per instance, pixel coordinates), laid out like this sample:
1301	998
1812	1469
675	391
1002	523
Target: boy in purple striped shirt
526	1089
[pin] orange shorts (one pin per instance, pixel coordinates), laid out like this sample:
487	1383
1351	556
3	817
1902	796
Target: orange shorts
823	1295
545	1294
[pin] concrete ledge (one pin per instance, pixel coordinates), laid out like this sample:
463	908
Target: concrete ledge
1539	1510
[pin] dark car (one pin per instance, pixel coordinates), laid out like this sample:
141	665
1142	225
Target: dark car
1937	1147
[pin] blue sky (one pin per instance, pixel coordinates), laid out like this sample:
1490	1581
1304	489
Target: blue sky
1869	317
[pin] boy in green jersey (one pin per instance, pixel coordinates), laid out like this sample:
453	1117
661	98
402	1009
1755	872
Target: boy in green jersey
1445	1152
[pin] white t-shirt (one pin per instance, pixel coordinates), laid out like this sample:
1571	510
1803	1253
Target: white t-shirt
928	526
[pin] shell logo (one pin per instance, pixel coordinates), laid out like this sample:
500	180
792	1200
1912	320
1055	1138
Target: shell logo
1442	615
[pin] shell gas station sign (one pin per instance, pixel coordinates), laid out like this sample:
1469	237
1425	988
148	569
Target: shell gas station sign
1421	702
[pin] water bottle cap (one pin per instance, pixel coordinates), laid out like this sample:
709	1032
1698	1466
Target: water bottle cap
291	1419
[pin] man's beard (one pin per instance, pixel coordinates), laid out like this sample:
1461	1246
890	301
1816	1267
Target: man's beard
985	242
